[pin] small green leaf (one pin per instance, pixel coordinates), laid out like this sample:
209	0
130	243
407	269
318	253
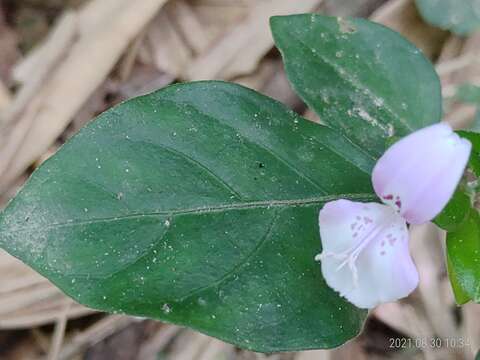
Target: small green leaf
461	17
456	211
198	205
474	161
463	248
462	221
361	78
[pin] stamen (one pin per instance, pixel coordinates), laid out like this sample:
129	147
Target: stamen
350	255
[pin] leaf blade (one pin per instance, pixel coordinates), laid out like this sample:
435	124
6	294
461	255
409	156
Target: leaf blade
170	207
342	68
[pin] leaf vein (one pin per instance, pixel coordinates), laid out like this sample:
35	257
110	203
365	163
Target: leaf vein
304	202
239	265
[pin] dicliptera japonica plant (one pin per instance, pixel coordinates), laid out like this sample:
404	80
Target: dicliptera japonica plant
206	204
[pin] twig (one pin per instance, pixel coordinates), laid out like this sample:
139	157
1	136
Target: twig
161	339
59	332
93	335
447	67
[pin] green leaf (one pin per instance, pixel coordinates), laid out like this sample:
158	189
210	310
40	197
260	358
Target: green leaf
197	205
461	17
463	249
474	161
456	211
360	78
458	208
462	221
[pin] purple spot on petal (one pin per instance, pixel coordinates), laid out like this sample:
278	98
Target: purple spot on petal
367	220
382	243
382	252
388	197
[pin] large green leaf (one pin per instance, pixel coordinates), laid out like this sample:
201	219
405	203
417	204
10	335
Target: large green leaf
360	77
459	16
198	205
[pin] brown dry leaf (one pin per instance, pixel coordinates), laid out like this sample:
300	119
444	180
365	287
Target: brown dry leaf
402	16
86	65
241	49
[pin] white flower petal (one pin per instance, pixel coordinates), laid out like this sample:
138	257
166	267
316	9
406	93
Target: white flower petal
365	253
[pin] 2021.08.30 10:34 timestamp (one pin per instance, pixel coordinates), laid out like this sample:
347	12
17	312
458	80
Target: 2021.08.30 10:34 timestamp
435	343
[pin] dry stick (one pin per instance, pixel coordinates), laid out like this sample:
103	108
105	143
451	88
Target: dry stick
241	49
87	64
42	317
314	355
197	344
93	335
458	63
217	349
161	339
428	255
14	302
169	51
402	16
450	90
59	332
462	117
5	99
195	34
400	318
34	72
470	327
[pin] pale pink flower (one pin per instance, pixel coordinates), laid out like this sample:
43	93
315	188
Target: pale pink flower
365	253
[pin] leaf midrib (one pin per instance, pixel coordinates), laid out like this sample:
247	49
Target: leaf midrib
303	202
